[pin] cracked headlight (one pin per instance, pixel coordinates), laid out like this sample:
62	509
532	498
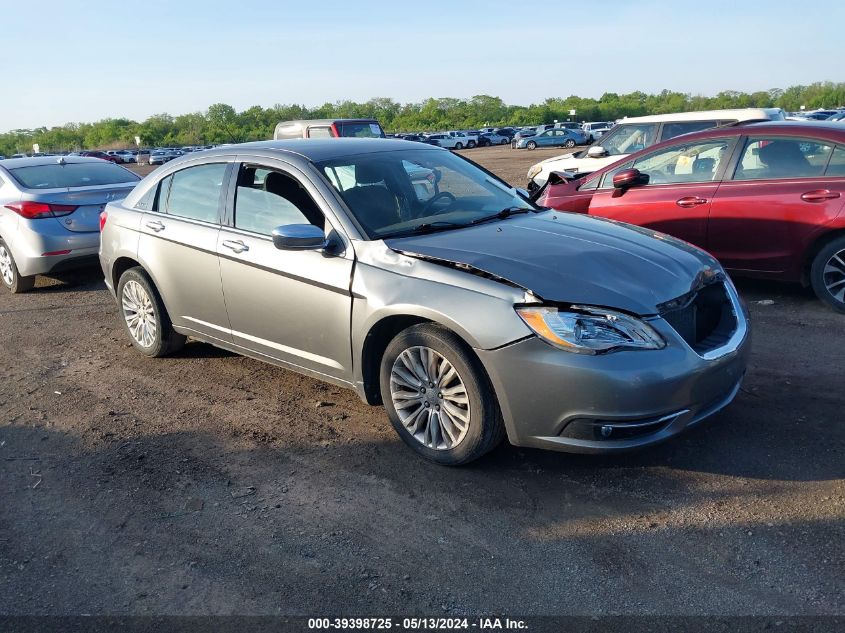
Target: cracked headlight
587	330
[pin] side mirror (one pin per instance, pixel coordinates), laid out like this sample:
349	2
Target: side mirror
596	151
524	193
299	237
629	178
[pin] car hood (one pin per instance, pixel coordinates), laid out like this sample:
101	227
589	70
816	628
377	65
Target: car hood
571	258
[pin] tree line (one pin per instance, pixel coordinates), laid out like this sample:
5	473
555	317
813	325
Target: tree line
221	123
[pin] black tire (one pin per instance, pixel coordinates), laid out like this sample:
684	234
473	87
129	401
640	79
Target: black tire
165	339
569	143
531	145
459	145
504	141
827	285
470	144
15	283
484	429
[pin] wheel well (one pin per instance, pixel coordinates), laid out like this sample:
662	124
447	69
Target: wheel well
814	249
375	343
121	265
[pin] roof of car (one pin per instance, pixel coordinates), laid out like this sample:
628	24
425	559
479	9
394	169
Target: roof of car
34	161
809	125
321	149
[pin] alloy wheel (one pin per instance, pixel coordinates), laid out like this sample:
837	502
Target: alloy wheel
139	313
6	269
430	398
834	276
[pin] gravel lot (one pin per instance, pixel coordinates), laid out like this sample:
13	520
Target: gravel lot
208	483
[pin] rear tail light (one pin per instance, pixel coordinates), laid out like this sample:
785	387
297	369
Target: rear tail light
35	210
104	215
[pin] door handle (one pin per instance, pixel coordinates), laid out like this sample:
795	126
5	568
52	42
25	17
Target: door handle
690	202
237	246
819	195
155	225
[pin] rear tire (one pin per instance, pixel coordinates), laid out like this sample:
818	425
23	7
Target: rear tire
459	145
9	273
827	274
144	316
569	144
447	410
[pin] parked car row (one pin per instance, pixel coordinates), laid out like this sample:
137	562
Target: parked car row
817	115
121	156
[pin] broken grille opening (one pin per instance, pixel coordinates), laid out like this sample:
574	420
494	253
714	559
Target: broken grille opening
707	321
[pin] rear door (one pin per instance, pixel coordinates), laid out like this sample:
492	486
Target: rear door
178	247
293	306
683	179
779	196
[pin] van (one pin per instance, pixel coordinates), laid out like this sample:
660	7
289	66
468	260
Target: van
633	134
328	128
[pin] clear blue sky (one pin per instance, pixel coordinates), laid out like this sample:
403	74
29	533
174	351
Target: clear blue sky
83	60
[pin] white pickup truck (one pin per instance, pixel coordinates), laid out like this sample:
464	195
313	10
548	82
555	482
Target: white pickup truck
460	140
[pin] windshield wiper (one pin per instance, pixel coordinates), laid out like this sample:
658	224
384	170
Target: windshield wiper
501	215
445	225
429	227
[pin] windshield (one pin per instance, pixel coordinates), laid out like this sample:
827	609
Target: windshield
56	176
400	192
629	138
359	129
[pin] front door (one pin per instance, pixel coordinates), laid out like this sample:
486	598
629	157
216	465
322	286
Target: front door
682	181
293	306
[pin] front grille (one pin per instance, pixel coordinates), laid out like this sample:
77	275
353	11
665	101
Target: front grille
705	319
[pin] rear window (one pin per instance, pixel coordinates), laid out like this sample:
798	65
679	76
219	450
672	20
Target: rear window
58	176
360	130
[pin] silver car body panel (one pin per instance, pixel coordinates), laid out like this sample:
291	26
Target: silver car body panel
548	254
312	311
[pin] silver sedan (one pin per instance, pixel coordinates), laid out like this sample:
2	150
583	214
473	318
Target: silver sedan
50	213
468	312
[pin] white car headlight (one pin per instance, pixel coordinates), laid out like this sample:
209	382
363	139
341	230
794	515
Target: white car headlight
587	330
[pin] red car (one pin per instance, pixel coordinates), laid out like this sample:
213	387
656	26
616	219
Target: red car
102	155
766	199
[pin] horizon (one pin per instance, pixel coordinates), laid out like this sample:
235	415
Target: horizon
181	59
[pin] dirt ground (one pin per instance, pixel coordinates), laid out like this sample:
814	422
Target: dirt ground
208	483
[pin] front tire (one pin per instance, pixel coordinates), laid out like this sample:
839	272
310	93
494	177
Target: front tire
9	273
470	144
504	141
827	274
531	145
438	397
144	316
